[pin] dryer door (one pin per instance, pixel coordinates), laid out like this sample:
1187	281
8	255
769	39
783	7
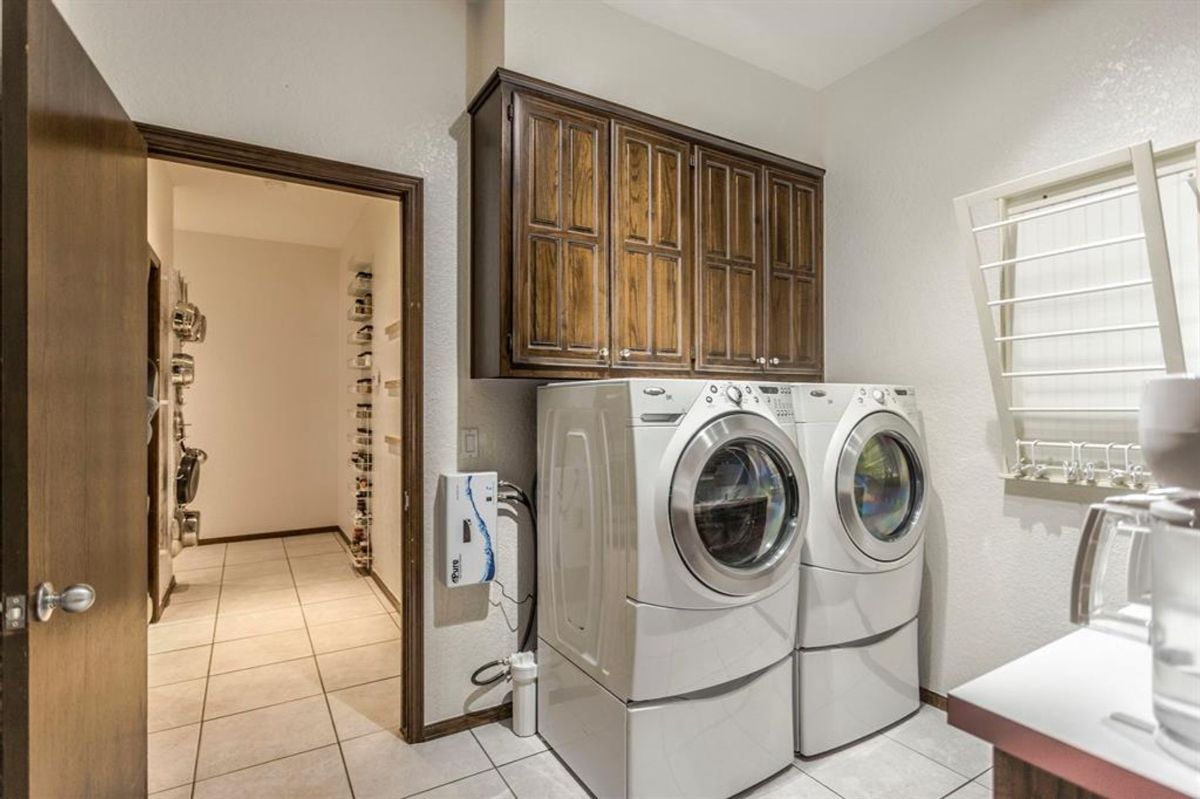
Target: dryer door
881	486
739	503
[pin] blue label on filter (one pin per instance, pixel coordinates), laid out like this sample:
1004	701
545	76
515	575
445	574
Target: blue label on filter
489	559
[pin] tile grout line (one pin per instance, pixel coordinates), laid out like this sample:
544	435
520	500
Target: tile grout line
934	760
324	694
204	703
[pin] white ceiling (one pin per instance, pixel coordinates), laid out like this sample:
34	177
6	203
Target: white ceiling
811	42
232	204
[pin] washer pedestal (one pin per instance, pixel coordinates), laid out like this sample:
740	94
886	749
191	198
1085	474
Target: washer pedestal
711	743
847	692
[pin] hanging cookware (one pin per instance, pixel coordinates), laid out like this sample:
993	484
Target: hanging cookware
183	369
187	475
183	318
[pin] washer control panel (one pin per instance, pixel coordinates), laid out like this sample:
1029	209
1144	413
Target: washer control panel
902	398
778	399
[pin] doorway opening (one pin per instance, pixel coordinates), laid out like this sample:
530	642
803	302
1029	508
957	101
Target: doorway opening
284	520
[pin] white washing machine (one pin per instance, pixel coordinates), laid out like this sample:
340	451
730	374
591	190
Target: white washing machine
671	517
861	563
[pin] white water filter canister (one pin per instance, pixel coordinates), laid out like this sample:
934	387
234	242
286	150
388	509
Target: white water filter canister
523	671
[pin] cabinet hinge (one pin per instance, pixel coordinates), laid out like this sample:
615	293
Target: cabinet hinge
14	613
508	343
692	159
406	500
508	112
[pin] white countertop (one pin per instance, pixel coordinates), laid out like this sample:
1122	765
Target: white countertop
1067	692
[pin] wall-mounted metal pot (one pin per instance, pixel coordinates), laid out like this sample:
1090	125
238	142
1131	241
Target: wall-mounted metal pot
189	527
183	369
187	475
184	318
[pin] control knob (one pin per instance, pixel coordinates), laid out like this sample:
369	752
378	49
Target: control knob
734	394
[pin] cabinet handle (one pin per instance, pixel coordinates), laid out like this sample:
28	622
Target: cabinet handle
774	361
602	354
625	353
761	361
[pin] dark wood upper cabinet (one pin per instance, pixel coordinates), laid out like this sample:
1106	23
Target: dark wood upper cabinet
729	318
606	242
652	250
793	302
561	262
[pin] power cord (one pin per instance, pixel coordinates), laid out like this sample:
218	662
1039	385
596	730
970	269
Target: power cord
511	492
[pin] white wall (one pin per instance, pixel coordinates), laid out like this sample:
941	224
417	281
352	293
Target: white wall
596	49
374	240
265	401
1001	91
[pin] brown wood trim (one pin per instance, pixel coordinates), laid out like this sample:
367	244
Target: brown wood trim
1052	755
233	539
154	488
937	700
194	148
14	399
550	90
412	608
467	721
169	144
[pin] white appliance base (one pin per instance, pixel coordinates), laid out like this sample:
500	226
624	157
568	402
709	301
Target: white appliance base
712	743
847	692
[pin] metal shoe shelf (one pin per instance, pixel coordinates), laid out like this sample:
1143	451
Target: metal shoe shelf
361	437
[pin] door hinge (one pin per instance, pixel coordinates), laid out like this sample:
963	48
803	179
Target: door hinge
508	112
15	607
406	500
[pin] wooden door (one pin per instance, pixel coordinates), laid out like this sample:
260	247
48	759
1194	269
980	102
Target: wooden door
729	309
560	262
793	304
72	398
652	245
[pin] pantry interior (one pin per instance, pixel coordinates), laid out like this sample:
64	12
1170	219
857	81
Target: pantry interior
276	415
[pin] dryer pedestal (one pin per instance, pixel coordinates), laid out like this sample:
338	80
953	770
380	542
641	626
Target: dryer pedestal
711	743
847	692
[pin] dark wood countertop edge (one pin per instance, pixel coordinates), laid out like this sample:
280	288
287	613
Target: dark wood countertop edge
1050	754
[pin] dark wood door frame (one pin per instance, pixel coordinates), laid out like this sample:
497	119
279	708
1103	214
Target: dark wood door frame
191	148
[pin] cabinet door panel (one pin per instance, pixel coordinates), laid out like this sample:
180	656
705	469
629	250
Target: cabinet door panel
729	325
560	198
794	295
651	311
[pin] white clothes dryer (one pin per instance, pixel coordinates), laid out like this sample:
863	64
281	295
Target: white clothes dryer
671	519
861	563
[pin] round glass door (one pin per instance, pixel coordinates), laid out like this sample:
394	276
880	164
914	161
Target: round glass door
881	486
738	503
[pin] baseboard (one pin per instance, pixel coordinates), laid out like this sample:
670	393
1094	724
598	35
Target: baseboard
386	591
233	539
466	721
935	699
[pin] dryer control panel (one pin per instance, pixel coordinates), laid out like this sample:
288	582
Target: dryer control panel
901	398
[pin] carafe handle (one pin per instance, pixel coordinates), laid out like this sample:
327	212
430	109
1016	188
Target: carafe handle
1088	572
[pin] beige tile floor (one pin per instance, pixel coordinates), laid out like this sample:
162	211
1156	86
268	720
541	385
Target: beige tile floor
275	674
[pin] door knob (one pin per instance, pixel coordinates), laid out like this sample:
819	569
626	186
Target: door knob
602	354
74	599
625	353
774	361
761	361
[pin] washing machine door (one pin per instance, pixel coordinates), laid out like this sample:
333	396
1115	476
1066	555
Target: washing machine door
881	486
739	503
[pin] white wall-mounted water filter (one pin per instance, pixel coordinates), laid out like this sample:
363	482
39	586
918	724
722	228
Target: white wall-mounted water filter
466	546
